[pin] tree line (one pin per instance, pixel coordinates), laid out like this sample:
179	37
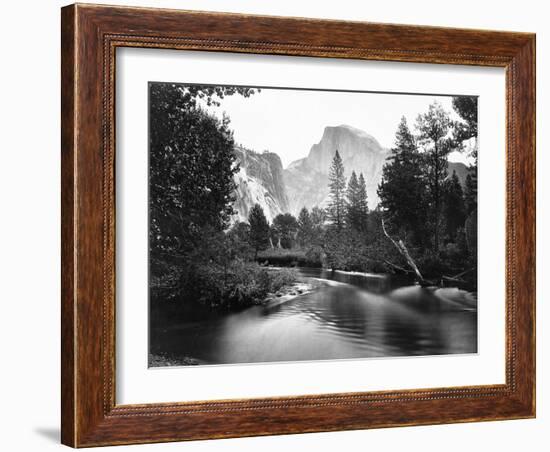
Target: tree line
195	258
421	204
198	256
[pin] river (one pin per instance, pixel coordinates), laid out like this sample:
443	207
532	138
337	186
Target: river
346	316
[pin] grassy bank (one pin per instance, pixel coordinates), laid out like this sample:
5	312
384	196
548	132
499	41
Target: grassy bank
217	288
281	257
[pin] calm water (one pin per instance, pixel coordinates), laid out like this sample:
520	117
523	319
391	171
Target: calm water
346	316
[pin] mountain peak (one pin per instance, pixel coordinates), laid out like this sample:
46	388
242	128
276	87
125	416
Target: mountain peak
354	130
358	149
306	179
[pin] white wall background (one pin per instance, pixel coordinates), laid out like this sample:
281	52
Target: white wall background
29	229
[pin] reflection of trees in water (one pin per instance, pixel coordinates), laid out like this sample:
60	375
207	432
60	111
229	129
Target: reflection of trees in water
391	327
336	321
408	321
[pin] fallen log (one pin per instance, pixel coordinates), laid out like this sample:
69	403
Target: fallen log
405	253
397	267
453	279
457	278
463	273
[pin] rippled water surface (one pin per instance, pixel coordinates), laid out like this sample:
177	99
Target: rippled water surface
346	316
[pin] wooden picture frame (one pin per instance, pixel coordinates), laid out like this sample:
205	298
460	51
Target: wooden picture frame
90	36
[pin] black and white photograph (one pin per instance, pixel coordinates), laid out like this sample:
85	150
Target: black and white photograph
290	224
275	226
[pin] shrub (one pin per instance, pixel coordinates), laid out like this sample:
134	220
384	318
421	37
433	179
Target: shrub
239	284
314	256
290	258
280	278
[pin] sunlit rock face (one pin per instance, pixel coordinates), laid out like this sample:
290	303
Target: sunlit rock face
306	180
259	181
262	180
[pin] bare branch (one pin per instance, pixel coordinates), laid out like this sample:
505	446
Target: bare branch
405	253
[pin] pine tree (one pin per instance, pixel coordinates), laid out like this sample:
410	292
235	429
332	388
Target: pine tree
402	190
357	204
433	128
454	210
470	201
470	194
363	207
337	185
305	228
352	202
466	129
466	108
318	218
259	229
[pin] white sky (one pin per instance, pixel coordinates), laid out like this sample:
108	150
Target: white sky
288	122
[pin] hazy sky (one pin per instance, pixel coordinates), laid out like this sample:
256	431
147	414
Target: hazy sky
289	122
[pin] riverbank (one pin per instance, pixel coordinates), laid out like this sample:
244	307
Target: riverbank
289	292
281	257
326	315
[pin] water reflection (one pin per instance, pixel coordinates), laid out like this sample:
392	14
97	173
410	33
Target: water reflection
347	316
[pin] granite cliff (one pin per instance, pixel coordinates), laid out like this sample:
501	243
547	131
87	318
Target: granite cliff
304	183
259	180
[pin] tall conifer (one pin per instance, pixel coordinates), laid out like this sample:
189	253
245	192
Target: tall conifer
352	202
337	185
454	210
402	190
305	227
433	128
363	207
259	229
470	194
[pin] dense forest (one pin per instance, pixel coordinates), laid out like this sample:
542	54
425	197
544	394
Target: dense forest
425	225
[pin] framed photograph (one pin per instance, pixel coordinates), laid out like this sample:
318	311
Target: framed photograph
281	225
